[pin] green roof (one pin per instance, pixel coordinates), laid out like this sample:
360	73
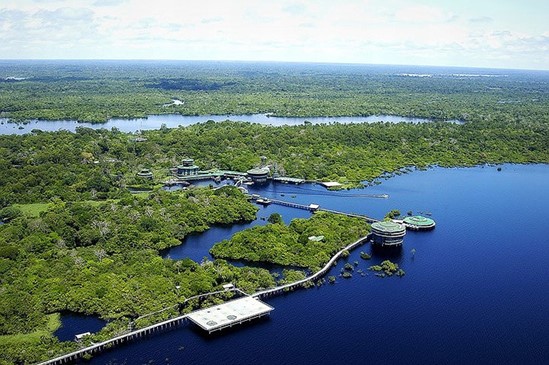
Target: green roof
259	171
418	220
388	227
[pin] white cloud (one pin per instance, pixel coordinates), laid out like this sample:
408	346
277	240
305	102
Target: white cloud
387	31
108	2
481	20
423	14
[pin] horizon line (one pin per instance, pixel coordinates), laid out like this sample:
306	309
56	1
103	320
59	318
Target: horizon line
263	61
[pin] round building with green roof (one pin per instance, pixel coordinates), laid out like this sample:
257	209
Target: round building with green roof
418	222
388	233
259	175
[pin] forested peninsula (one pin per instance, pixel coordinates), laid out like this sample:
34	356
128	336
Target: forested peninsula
74	238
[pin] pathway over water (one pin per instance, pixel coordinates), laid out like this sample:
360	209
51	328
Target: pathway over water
474	292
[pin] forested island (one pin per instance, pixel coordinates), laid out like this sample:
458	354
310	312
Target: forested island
75	239
308	243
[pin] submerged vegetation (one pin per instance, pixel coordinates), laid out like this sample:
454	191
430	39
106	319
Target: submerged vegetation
387	268
75	239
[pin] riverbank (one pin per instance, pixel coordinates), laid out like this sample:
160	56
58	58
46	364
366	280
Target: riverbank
442	309
155	122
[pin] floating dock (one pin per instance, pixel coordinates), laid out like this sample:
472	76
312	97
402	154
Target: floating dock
229	314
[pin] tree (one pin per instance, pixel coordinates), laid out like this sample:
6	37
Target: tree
393	214
10	213
275	218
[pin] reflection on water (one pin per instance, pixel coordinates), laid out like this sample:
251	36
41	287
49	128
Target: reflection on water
176	120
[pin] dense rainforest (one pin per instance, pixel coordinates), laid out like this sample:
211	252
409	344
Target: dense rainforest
295	244
95	91
100	164
75	239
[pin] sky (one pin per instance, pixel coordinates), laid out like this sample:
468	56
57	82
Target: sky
469	33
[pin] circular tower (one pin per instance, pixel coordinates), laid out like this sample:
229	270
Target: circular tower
187	168
388	233
259	176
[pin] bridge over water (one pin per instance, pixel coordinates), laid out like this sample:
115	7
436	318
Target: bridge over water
174	322
314	207
314	276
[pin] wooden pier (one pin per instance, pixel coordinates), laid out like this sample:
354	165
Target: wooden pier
98	347
310	207
313	208
318	274
288	180
132	335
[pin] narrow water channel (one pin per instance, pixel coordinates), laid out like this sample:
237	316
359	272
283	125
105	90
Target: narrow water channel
176	120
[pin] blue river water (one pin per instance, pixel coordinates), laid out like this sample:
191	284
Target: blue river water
475	291
176	120
74	323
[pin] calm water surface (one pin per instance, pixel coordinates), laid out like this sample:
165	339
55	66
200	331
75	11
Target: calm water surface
176	120
475	292
73	324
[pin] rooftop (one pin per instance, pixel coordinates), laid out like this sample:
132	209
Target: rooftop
388	227
260	171
230	313
419	220
330	184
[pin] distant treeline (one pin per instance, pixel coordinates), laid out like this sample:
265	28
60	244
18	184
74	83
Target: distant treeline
75	238
96	91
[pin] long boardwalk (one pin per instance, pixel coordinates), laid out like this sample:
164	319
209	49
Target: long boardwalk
309	207
98	347
314	276
170	323
289	204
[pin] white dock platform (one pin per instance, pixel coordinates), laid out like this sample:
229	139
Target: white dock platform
228	314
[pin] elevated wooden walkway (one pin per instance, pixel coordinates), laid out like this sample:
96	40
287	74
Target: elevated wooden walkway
131	335
318	274
315	207
288	180
98	347
365	217
310	207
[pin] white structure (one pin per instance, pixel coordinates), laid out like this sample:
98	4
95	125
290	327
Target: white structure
79	336
228	314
